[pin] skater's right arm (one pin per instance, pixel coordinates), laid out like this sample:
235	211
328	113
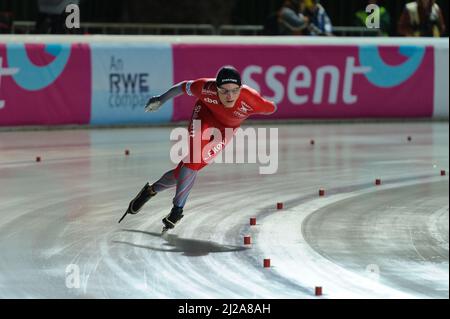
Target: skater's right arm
157	101
192	88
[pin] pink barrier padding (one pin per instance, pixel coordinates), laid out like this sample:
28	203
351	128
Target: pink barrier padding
309	81
45	84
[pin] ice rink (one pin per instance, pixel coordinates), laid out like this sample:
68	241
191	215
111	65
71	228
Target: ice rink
58	217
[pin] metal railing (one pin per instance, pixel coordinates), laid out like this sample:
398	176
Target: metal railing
240	30
356	31
145	28
258	30
127	28
23	27
181	29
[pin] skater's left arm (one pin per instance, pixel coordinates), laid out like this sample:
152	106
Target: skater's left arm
264	106
268	107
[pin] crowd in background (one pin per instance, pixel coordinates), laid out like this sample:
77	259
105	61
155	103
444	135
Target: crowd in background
299	17
309	17
293	17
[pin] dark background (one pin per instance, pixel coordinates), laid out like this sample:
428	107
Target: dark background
215	12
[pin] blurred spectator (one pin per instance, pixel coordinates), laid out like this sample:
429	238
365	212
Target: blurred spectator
52	17
385	18
287	20
421	18
319	21
5	22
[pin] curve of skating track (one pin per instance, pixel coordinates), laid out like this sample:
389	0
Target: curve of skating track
309	244
59	218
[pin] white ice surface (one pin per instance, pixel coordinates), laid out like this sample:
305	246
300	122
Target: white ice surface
359	241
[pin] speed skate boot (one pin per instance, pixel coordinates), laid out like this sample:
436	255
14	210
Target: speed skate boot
170	220
143	197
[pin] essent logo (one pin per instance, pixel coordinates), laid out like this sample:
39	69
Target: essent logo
330	83
303	78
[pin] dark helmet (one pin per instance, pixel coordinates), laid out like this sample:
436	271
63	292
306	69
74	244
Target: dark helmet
228	74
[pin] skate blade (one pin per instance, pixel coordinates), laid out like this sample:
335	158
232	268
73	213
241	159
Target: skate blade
164	230
123	216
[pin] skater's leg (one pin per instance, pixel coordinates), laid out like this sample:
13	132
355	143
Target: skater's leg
167	181
185	182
